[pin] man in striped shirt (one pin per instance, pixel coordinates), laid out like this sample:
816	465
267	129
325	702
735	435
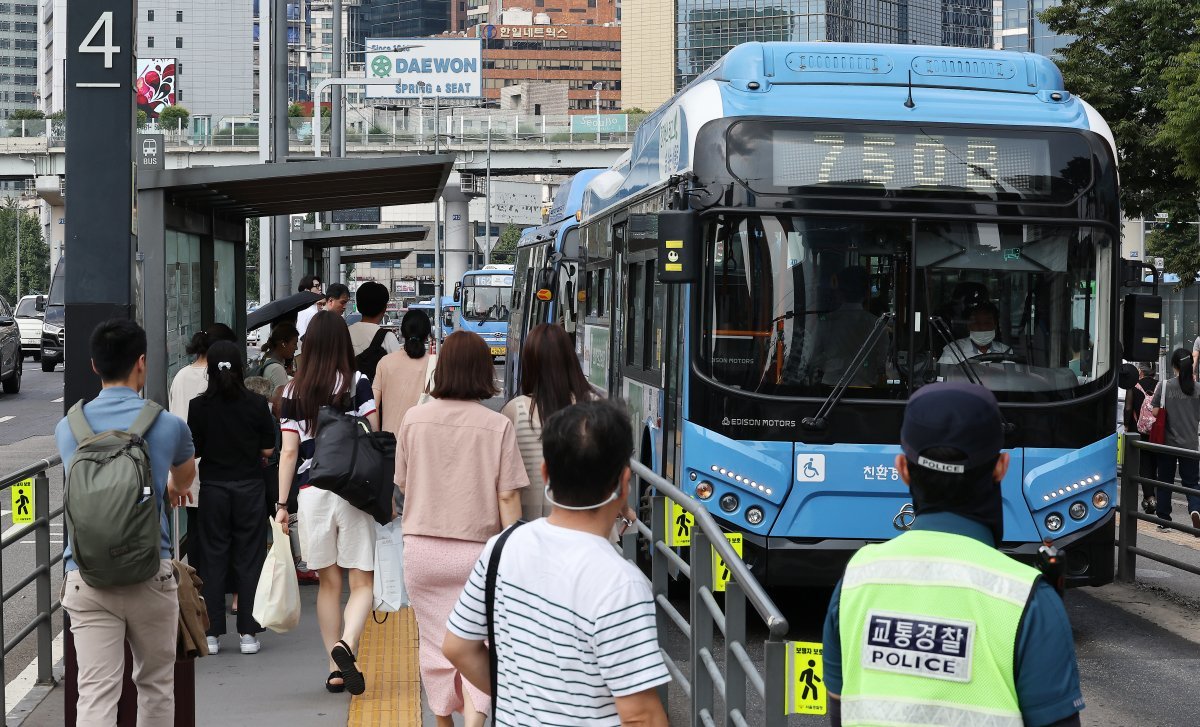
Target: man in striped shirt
574	621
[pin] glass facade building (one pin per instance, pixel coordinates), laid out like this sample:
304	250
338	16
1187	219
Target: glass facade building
707	29
1011	23
404	18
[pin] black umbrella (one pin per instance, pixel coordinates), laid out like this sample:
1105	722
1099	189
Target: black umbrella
281	308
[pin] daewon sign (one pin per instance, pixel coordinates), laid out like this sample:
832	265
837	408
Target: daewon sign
426	68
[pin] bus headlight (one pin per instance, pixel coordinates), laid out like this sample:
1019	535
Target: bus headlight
704	490
1078	511
1054	522
1100	500
729	502
754	515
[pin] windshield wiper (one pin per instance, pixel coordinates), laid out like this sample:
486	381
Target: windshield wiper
821	421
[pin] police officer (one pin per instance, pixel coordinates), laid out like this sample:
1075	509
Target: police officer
937	627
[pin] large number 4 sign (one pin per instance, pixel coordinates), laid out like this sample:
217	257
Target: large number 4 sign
105	24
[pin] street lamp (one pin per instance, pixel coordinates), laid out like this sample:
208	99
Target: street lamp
597	88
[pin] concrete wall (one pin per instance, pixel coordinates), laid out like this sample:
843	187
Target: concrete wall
535	99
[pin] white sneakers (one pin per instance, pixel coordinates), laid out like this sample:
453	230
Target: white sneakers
248	643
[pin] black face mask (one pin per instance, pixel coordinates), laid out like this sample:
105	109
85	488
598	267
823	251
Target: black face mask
982	502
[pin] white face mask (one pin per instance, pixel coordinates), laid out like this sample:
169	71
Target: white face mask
581	508
983	338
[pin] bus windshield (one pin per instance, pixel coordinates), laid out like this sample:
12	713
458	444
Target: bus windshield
486	302
789	302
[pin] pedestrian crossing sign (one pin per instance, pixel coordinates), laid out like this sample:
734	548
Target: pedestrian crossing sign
720	572
22	502
679	526
805	679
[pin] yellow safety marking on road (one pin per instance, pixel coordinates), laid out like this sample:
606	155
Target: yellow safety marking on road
387	655
679	526
721	574
22	502
805	678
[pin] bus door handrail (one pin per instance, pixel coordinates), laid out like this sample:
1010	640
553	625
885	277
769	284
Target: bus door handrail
706	681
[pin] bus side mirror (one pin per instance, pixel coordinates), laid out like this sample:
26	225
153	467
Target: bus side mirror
40	305
1141	326
675	231
545	284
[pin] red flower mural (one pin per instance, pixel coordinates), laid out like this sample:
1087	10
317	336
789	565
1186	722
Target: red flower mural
155	85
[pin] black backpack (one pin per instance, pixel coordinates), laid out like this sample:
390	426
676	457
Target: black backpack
369	359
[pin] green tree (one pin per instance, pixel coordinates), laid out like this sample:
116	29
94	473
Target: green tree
57	116
635	111
174	117
295	110
1136	62
504	253
26	115
35	253
141	118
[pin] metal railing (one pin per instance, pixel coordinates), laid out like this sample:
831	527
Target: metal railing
706	616
40	575
1131	482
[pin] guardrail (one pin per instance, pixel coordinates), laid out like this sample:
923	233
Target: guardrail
706	615
40	575
1131	480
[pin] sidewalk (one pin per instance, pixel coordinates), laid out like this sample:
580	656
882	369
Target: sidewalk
284	683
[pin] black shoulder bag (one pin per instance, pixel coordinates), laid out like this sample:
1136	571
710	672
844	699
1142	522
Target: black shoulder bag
489	598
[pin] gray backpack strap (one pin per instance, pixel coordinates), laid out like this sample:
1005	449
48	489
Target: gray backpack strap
80	428
145	418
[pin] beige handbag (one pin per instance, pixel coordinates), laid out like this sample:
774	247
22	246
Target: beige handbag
430	368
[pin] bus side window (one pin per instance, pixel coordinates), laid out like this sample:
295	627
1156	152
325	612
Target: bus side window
654	321
590	288
601	292
635	312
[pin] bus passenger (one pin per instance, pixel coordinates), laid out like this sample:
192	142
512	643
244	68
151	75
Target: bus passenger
550	380
841	332
937	626
1178	396
459	468
278	352
982	338
401	377
333	533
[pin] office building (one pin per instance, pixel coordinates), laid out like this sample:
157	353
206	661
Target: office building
1013	32
199	55
299	24
404	18
52	44
19	32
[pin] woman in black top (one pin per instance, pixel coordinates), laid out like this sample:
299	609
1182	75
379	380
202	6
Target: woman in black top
234	430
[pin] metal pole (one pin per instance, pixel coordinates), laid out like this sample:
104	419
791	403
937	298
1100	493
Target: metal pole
1128	507
735	633
487	201
266	230
1029	24
337	137
702	625
18	215
437	228
597	87
283	264
45	629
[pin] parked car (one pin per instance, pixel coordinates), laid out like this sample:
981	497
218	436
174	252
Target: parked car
29	320
54	334
11	360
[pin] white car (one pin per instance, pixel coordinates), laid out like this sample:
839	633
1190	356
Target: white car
29	321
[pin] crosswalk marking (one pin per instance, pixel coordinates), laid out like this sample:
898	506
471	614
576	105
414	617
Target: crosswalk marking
6	419
59	400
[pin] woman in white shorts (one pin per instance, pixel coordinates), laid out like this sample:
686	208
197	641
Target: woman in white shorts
334	535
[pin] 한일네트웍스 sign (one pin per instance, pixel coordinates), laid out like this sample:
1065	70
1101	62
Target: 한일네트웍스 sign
448	68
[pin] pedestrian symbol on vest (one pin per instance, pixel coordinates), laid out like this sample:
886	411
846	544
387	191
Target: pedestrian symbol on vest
805	675
679	526
22	502
721	574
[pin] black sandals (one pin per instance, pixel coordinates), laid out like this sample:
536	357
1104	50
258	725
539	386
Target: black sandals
344	658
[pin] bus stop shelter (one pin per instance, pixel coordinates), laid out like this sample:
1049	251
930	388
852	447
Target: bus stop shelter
191	227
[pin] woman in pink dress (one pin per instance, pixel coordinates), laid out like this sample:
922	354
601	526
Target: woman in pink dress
461	473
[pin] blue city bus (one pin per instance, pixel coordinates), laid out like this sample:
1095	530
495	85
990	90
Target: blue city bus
449	307
484	299
549	260
808	233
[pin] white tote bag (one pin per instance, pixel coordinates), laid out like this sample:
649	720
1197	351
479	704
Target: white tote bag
277	598
390	594
430	367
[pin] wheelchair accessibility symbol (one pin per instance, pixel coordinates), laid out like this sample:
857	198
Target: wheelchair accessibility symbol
810	468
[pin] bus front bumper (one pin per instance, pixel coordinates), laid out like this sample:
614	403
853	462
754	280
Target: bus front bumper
790	562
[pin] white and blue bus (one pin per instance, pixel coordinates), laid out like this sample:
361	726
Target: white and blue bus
549	259
805	235
484	299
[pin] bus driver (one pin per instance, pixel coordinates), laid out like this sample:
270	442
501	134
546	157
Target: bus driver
982	338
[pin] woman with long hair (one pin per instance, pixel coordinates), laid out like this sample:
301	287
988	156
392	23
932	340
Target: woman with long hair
459	468
233	430
1179	398
401	377
278	351
333	533
551	379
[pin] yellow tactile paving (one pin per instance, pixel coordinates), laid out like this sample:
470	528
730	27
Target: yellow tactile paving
387	654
